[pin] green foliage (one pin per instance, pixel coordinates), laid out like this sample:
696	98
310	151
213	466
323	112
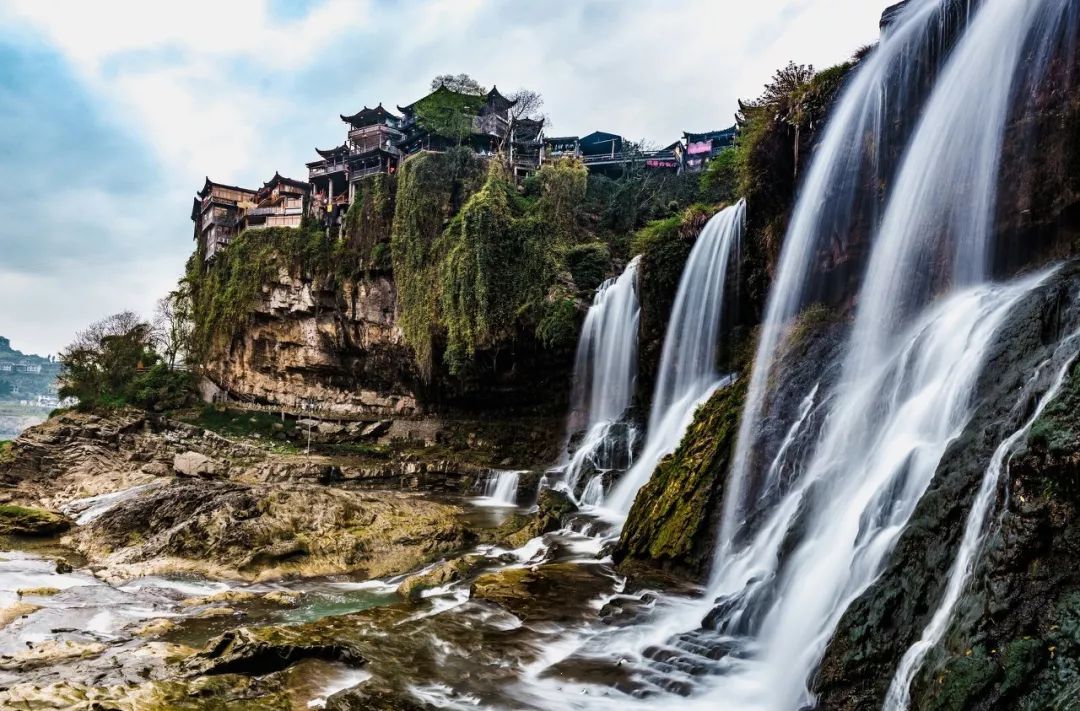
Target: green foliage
242	423
496	264
775	133
161	388
655	233
720	180
224	294
589	264
5	451
561	186
5	388
367	225
559	324
431	189
112	363
449	114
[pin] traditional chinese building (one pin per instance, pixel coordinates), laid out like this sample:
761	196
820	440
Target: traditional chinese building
278	203
703	147
216	212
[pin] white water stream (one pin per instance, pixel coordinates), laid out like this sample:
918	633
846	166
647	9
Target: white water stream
687	375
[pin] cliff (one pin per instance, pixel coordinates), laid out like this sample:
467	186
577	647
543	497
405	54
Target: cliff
306	342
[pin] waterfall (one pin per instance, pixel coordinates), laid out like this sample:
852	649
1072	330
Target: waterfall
899	694
687	373
909	369
877	453
605	373
874	110
500	488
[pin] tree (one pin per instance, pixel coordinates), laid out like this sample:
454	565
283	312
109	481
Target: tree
5	388
173	325
113	363
527	104
461	83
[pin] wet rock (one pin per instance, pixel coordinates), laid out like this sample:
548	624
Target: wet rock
447	572
212	612
285	598
529	592
363	699
267	531
375	429
155	628
225	596
673	520
37	592
194	464
1012	641
554	509
24	521
257	652
63	567
50	652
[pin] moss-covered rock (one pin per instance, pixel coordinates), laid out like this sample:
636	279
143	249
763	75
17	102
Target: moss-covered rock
25	521
672	522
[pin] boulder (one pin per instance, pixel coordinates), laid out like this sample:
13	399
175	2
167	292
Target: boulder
376	429
528	592
194	464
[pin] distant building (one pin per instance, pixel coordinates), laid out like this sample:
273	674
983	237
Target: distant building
220	212
217	211
703	147
278	203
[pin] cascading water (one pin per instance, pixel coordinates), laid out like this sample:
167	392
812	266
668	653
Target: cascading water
605	372
500	488
876	110
688	372
899	695
906	383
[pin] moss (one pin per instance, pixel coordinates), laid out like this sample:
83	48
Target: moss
498	265
431	188
368	223
24	521
559	325
671	522
589	264
6	452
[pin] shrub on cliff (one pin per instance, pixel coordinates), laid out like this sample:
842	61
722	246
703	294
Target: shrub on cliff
224	293
367	225
498	262
431	189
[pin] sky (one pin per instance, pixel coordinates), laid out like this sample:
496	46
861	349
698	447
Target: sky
112	113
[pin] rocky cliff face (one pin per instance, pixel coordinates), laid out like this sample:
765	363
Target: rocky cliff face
305	342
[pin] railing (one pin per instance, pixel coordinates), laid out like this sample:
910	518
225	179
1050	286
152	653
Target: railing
260	211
